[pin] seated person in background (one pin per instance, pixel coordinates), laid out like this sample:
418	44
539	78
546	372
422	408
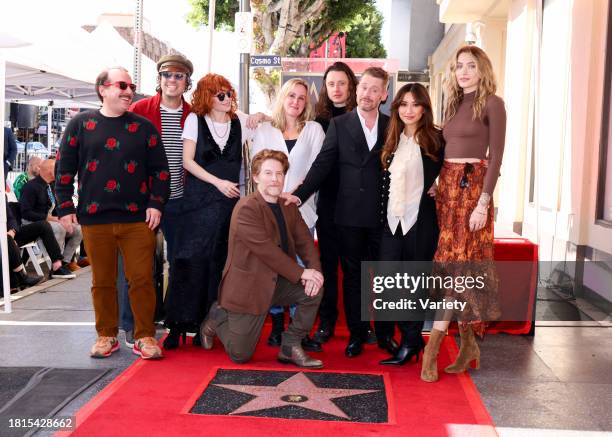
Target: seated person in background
18	235
19	276
261	270
31	172
37	200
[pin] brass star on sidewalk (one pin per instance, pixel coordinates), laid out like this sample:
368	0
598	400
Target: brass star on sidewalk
297	390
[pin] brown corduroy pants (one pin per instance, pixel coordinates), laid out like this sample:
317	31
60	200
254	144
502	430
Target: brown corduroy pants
137	244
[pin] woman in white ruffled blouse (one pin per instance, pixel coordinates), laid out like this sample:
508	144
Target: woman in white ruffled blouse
411	158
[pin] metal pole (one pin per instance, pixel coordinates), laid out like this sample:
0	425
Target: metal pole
49	125
6	285
211	29
138	17
245	60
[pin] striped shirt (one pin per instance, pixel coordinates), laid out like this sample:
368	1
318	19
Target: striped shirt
173	144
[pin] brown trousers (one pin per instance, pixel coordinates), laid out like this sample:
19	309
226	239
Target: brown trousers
240	333
137	245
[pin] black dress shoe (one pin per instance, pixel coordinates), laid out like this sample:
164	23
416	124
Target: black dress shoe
323	334
388	344
354	347
311	345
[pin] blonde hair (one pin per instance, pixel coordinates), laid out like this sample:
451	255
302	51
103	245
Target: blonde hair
486	85
278	113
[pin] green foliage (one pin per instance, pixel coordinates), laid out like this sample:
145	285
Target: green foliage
363	38
224	13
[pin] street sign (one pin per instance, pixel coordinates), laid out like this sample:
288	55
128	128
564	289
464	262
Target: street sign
244	31
265	61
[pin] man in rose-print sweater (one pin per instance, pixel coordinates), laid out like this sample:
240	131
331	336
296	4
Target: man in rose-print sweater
118	159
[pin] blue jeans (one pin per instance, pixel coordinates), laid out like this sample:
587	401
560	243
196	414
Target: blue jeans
170	223
277	309
126	318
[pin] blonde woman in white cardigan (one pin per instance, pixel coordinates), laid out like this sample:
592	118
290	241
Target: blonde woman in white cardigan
291	131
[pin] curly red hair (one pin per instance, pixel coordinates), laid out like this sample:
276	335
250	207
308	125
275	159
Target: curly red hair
208	87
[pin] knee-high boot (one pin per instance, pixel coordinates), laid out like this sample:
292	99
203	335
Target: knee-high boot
468	352
429	372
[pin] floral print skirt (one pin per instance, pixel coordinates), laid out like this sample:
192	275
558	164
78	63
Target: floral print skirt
463	252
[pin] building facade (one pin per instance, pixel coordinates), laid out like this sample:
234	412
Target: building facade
553	62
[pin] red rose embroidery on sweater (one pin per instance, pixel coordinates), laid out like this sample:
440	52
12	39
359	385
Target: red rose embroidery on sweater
132	127
112	185
132	207
143	188
153	141
130	166
67	204
163	175
72	141
92	165
150	181
65	179
90	124
92	208
112	144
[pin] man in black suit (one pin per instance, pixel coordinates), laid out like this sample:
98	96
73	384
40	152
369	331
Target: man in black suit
352	146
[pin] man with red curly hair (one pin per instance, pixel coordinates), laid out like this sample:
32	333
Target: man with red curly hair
120	164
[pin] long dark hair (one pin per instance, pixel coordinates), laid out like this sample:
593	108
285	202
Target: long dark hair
323	108
426	135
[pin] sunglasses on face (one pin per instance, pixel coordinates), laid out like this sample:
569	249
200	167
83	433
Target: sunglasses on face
221	95
121	85
170	75
469	168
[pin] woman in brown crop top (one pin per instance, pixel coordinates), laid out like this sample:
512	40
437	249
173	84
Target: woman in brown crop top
474	132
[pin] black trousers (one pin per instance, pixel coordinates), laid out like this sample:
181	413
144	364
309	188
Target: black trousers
358	244
329	248
399	247
34	231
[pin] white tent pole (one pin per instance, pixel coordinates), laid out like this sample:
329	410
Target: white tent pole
6	287
211	28
49	125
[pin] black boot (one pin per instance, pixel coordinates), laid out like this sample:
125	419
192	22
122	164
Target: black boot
311	345
197	340
408	348
278	326
173	339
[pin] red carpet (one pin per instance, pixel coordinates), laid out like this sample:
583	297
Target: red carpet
154	398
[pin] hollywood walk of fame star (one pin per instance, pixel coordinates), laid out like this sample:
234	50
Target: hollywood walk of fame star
297	390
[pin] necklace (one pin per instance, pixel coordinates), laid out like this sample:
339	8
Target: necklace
212	122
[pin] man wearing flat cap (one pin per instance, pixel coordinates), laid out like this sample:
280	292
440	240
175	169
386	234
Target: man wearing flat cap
167	110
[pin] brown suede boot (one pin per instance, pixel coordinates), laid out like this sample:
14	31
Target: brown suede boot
468	353
429	372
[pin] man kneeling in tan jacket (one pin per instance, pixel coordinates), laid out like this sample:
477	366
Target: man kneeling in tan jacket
261	270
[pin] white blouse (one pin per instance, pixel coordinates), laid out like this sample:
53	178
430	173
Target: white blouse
301	157
406	185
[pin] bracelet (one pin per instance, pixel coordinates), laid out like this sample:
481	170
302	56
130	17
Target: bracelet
484	200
